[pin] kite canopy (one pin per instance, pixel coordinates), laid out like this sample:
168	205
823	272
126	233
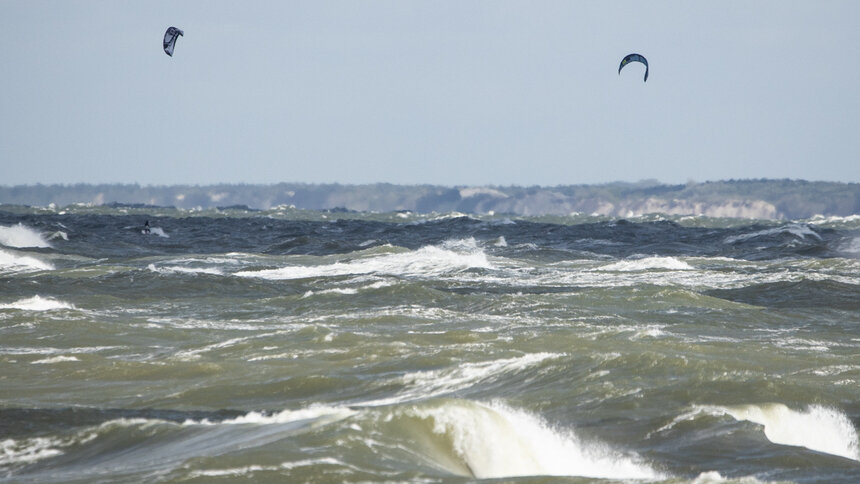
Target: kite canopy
170	39
634	58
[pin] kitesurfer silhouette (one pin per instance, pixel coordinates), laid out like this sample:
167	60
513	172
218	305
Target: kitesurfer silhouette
146	227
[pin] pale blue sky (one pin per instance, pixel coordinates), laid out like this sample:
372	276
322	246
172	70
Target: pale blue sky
442	92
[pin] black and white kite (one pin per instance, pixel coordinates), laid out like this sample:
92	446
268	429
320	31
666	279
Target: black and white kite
634	58
170	39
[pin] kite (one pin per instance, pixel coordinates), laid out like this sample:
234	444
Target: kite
634	58
170	39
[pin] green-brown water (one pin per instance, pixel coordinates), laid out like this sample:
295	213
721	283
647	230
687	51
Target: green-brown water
287	346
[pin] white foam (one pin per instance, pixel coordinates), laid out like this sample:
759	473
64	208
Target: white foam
317	414
37	303
233	471
851	247
819	428
348	290
27	451
834	219
437	382
13	262
184	270
21	236
496	441
648	263
426	261
157	231
55	359
714	477
243	471
427	384
798	230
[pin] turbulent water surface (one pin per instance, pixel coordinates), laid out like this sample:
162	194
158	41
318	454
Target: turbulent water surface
294	346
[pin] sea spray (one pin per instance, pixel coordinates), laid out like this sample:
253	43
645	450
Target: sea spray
21	236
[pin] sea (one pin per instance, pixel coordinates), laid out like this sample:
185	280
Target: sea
285	345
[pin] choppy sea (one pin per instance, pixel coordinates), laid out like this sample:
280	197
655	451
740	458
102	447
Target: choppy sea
325	346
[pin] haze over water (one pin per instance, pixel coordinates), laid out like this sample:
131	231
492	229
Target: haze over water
303	346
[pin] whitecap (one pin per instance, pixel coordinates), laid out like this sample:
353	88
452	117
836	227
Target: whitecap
433	383
648	263
55	359
819	428
37	303
10	261
316	414
851	246
798	230
184	270
28	450
157	231
20	236
714	477
453	256
497	441
59	235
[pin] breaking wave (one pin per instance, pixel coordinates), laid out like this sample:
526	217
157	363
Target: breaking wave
12	262
819	428
426	261
20	236
37	303
797	230
648	263
493	440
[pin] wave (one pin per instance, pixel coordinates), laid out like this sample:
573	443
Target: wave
851	247
20	236
243	471
12	262
318	414
348	290
835	219
184	270
493	440
457	437
819	428
131	440
713	477
37	303
799	231
452	256
26	451
648	263
830	293
434	383
55	359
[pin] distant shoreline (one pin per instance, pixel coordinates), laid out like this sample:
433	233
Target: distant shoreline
754	199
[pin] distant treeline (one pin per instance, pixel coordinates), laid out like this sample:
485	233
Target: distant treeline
764	198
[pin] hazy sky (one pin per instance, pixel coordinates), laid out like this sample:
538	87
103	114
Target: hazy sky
442	92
